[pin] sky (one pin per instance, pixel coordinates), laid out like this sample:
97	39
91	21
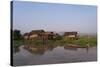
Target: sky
29	16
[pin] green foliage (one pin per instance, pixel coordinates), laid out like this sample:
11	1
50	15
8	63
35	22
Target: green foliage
17	35
58	37
38	42
17	43
83	41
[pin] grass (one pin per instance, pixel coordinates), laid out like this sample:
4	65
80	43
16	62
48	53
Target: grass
82	41
17	43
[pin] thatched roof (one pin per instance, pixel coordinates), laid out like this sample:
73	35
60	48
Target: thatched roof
26	34
36	32
70	33
49	32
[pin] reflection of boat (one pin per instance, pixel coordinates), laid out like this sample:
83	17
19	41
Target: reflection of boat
16	49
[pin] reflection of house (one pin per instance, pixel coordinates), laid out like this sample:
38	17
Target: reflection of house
70	35
39	50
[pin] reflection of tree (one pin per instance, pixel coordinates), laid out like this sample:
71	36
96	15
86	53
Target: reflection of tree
87	49
16	49
50	48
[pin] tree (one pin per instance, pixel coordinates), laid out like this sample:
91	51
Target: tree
17	35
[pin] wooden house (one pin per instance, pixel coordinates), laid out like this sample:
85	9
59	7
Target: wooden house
48	35
71	35
35	34
26	36
39	34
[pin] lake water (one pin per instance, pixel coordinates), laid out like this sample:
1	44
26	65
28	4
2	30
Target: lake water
57	54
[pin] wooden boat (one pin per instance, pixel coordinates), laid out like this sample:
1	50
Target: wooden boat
75	46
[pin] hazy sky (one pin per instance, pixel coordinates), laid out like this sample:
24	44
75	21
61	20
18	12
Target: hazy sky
29	16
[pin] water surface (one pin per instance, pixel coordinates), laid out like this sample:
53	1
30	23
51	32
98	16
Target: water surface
57	54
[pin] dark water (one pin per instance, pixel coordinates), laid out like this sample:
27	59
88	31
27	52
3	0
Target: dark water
52	55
